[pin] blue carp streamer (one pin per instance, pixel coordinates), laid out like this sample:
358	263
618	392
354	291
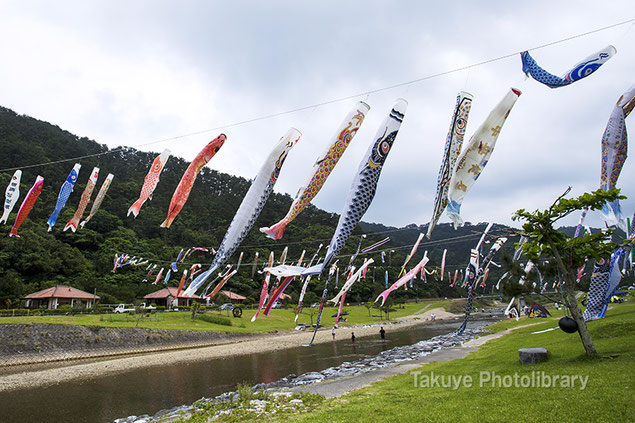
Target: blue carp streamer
581	70
65	192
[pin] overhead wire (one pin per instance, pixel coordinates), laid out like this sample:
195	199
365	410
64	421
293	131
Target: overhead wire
327	102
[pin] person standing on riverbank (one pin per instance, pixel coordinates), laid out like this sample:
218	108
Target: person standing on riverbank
353	337
382	333
333	333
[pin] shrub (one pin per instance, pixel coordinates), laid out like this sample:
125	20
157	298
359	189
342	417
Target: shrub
161	308
15	312
219	320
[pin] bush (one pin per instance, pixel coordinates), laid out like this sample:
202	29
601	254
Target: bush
15	312
219	320
161	308
105	309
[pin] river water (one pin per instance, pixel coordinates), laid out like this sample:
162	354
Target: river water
149	390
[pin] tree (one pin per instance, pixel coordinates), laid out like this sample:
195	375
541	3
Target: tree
196	306
568	252
387	308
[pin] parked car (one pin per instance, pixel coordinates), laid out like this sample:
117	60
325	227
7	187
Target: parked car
277	304
315	305
226	306
123	308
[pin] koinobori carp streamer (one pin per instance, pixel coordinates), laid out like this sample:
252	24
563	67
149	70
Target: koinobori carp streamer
322	168
27	204
150	182
11	195
453	143
83	201
614	152
99	199
251	206
476	155
361	193
182	191
65	192
580	70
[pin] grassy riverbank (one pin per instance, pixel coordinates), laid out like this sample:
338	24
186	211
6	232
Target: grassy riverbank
278	320
608	395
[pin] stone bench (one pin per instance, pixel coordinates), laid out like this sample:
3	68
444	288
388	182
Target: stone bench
532	355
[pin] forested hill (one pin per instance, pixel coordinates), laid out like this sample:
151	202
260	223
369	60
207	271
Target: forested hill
39	259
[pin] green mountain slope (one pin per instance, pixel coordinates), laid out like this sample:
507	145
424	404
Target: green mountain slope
39	259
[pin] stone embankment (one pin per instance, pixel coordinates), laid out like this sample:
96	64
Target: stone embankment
28	343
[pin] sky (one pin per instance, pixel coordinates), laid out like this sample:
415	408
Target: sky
168	74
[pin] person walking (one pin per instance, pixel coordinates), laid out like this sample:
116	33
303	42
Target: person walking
333	333
353	337
382	333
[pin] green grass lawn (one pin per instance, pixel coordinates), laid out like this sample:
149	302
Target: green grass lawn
278	319
609	395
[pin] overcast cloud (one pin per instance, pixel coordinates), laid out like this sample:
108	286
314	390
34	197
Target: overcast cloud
130	73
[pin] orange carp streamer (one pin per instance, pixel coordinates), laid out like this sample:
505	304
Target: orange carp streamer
182	191
323	167
150	182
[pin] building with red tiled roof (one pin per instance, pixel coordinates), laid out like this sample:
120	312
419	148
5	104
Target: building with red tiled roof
58	296
233	297
161	297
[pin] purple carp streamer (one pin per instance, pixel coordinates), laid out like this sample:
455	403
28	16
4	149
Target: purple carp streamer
322	168
476	154
65	192
99	199
577	72
11	195
614	151
451	152
251	206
